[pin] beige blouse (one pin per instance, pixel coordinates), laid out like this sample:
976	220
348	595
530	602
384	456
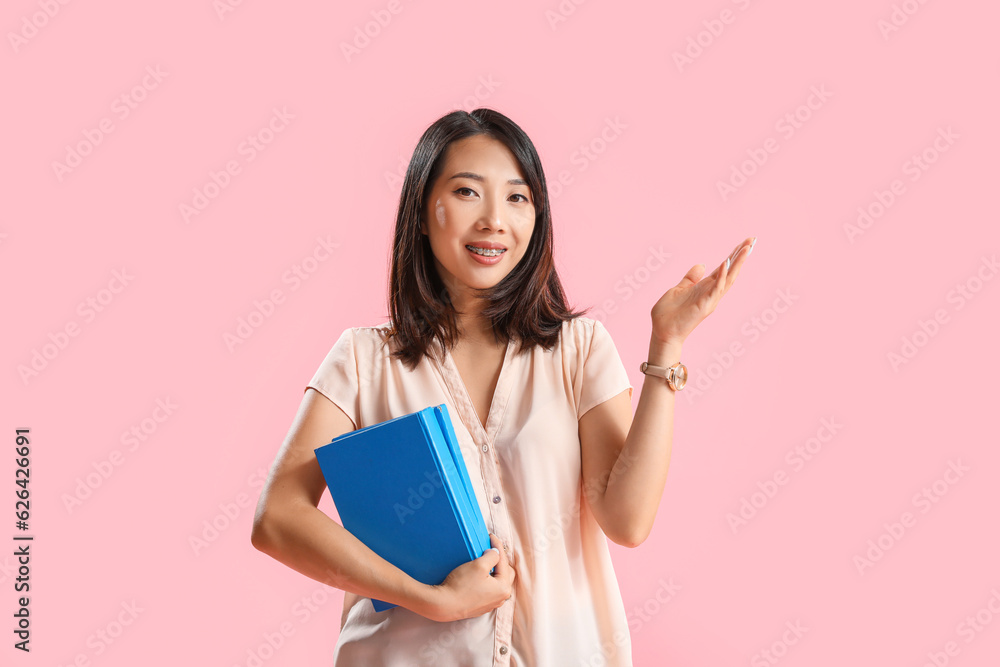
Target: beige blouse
566	608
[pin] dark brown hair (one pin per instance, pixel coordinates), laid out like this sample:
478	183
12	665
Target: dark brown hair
528	304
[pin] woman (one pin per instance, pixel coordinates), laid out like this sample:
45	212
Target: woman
538	398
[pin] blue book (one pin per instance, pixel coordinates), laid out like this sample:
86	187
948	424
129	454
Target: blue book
402	488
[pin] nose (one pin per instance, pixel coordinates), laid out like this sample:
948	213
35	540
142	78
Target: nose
493	212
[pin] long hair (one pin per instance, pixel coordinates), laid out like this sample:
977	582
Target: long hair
528	304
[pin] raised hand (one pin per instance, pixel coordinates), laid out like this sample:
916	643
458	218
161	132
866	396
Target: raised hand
684	306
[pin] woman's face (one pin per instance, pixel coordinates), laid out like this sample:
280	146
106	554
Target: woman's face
479	198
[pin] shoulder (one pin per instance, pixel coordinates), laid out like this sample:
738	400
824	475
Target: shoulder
581	331
577	338
376	331
366	338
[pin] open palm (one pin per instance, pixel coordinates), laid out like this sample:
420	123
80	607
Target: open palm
695	297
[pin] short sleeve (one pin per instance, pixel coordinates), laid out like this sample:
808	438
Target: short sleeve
603	375
337	377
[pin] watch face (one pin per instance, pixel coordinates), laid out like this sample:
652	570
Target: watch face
681	376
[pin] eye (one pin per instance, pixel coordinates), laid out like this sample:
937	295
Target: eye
459	190
518	194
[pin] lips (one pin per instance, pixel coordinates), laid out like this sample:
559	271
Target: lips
487	245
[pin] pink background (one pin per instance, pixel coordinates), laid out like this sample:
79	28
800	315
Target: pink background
650	184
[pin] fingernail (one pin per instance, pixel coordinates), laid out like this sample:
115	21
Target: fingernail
728	260
495	549
751	245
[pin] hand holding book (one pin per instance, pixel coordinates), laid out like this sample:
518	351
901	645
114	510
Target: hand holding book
470	590
401	487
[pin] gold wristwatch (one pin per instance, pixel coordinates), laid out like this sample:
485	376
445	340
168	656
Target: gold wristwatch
676	375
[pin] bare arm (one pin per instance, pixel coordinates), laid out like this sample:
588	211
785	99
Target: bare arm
289	526
626	457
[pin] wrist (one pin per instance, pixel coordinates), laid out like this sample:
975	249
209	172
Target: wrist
421	598
664	353
431	602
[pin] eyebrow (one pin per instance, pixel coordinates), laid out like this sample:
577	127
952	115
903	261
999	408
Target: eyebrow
477	177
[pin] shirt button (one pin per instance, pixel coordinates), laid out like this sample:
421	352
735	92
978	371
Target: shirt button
486	448
496	499
503	650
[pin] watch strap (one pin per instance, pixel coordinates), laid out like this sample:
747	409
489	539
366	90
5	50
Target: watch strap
669	374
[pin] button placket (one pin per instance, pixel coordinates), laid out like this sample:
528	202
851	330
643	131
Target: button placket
498	521
504	624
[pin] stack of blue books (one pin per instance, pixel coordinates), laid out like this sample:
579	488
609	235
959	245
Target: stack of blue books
401	487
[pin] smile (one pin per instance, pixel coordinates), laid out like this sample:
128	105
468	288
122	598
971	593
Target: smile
486	253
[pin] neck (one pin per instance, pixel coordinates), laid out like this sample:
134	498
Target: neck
476	330
472	326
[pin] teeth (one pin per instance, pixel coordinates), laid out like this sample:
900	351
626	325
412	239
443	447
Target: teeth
484	252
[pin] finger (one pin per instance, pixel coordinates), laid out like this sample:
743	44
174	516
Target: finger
693	275
719	286
734	267
717	274
739	260
490	557
507	575
732	258
501	564
745	243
